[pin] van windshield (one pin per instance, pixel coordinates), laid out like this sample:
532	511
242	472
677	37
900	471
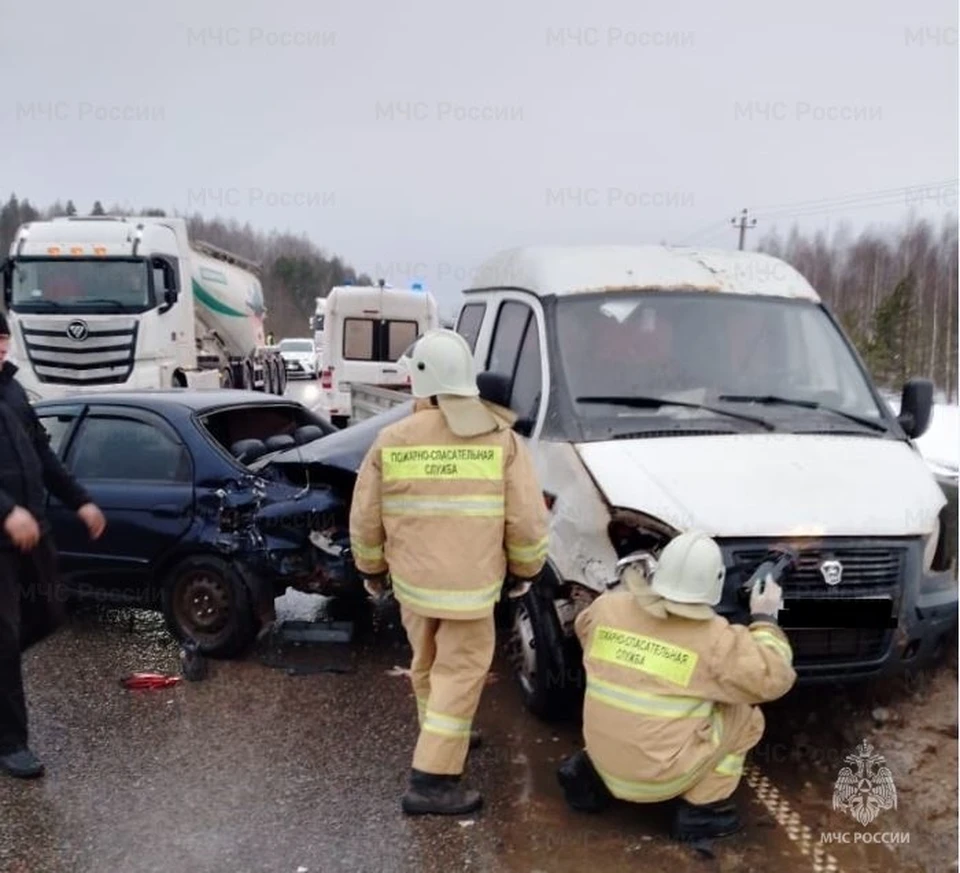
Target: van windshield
780	360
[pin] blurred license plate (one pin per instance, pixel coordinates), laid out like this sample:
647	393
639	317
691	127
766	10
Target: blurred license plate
856	612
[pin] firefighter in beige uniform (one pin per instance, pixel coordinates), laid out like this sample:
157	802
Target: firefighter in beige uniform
448	503
670	708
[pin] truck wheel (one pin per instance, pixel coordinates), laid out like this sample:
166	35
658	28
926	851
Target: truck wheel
205	599
269	378
547	676
248	377
282	382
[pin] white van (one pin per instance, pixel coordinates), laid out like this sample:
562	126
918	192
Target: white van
316	325
366	330
666	389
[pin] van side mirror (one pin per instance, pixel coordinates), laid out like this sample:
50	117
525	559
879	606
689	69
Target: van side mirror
916	407
523	426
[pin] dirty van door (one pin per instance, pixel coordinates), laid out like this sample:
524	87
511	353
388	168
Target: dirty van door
139	472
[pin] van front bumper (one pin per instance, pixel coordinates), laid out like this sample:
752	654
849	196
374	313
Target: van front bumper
908	616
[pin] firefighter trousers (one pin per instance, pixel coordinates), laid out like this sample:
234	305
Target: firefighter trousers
451	659
743	728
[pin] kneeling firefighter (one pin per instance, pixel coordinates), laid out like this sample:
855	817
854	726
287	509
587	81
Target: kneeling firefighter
446	504
672	689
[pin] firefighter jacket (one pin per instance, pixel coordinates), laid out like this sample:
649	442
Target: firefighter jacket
659	691
447	516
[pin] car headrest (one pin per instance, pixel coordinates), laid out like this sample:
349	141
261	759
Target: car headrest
248	450
494	388
307	434
279	441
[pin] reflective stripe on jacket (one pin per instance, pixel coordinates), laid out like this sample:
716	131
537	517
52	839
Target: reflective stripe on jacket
447	515
658	691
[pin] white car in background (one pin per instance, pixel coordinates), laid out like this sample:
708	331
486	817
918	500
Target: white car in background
300	357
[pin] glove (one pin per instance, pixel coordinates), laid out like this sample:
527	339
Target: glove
766	598
517	587
378	587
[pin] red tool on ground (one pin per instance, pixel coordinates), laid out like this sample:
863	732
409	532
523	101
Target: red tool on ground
148	681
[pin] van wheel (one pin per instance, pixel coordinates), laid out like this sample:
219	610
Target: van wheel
206	600
540	657
339	421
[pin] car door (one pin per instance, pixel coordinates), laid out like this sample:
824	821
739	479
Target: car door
138	470
515	352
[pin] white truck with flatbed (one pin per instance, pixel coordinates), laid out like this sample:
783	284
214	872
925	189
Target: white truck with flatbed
667	389
107	303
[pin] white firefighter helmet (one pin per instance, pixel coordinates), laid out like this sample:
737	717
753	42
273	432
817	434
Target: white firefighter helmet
690	570
441	365
440	362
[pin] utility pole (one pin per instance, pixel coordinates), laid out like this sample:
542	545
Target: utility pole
743	226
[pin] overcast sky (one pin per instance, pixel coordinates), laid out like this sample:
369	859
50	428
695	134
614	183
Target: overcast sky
416	138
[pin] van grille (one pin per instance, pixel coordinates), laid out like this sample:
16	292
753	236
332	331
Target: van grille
866	570
103	356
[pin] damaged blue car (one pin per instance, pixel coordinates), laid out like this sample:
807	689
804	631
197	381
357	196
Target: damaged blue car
201	524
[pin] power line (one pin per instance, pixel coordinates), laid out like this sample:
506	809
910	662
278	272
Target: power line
803	208
904	189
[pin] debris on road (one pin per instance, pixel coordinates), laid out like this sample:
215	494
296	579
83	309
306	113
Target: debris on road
148	681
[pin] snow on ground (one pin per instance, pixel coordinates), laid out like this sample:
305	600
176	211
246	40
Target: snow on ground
940	445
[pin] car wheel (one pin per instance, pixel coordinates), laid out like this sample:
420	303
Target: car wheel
548	678
205	599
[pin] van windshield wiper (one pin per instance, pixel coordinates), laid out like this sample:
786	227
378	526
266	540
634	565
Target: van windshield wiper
775	400
41	302
657	402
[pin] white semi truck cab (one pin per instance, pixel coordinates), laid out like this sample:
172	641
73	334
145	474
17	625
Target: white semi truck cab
132	303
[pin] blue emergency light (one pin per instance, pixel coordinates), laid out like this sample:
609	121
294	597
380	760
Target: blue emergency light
416	286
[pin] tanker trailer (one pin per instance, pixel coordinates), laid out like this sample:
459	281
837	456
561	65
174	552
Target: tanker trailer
131	303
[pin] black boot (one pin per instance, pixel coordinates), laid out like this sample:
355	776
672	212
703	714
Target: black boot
582	786
433	794
708	821
21	763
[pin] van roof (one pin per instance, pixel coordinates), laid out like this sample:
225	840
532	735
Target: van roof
578	269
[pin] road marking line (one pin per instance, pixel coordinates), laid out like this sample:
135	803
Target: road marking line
779	807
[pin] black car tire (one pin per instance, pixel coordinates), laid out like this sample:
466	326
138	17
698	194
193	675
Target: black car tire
269	378
282	380
205	584
546	674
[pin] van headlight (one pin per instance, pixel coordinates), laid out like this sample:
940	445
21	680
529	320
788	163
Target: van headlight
930	546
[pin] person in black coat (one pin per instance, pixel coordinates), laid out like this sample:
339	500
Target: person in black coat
31	600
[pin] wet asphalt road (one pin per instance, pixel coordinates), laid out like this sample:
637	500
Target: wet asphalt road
253	769
257	770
